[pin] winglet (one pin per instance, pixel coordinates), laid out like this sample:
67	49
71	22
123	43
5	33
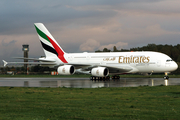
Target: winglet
5	63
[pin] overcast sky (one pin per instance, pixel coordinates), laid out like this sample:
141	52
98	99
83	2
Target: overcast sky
87	25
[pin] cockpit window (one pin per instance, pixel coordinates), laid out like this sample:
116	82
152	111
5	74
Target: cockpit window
168	60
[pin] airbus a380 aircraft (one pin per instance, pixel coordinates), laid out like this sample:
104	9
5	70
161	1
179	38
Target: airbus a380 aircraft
99	65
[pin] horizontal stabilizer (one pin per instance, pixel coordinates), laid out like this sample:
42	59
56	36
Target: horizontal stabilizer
5	63
29	63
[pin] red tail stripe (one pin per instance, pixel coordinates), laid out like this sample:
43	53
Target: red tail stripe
58	50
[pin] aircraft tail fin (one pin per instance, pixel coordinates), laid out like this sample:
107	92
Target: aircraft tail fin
50	46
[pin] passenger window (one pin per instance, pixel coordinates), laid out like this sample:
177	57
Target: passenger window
169	60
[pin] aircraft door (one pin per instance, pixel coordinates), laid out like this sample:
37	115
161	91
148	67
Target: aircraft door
88	57
159	63
70	58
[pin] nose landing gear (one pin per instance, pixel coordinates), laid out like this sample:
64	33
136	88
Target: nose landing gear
166	77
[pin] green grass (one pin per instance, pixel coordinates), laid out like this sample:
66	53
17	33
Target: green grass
160	102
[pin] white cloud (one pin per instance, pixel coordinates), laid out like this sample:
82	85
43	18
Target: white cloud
89	45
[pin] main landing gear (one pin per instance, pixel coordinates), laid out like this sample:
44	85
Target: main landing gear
104	78
99	78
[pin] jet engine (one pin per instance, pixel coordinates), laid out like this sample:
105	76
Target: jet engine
100	71
66	70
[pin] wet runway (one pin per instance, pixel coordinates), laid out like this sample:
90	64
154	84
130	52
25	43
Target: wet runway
85	82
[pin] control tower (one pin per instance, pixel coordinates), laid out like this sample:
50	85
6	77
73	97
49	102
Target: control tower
26	50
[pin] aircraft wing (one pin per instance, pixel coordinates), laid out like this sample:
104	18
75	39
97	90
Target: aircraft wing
82	66
39	61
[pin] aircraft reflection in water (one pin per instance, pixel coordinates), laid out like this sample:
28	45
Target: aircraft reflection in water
85	82
166	82
95	84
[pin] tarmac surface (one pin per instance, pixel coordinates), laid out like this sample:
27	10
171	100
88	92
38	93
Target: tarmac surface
85	82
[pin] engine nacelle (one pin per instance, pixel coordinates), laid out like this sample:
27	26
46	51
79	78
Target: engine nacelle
66	70
100	71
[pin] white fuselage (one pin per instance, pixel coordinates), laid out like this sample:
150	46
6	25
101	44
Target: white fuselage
141	62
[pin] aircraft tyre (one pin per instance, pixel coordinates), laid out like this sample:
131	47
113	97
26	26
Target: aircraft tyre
99	78
166	77
115	77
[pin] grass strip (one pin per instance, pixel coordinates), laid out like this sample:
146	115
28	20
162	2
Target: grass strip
144	102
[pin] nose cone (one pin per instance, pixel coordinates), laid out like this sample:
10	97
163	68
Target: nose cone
174	66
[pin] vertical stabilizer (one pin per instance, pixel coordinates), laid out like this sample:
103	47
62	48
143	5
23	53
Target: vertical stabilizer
50	46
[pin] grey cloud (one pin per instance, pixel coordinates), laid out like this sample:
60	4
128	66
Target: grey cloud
5	44
89	45
20	16
124	20
119	45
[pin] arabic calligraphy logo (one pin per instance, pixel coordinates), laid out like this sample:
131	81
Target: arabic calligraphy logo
109	59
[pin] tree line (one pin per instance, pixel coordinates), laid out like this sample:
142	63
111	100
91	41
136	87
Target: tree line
37	69
170	50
